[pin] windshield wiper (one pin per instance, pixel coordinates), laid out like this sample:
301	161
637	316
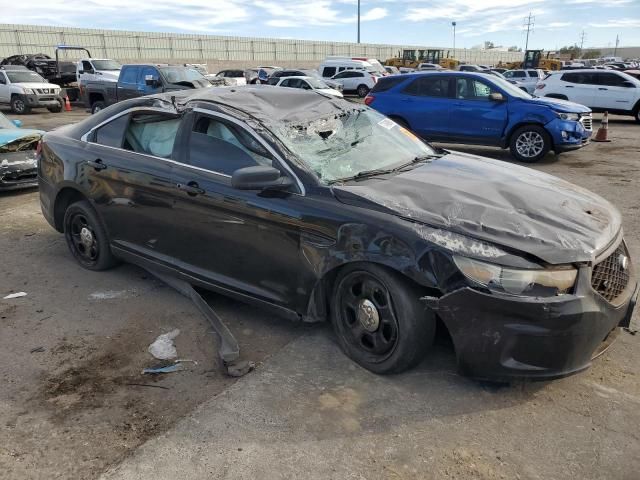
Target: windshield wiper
384	171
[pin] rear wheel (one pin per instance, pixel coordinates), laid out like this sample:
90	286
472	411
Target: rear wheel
57	109
530	143
362	91
379	320
97	106
86	237
637	115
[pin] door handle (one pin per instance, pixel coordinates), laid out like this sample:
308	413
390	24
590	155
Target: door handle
602	88
191	188
96	164
568	86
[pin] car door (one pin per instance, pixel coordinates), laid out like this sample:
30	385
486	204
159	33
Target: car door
354	79
426	104
149	73
611	92
128	82
475	118
128	172
5	96
245	240
578	87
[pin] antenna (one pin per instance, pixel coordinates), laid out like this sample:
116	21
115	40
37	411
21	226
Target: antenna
529	22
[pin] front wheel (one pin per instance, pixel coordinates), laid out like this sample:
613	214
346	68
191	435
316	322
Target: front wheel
57	109
19	105
379	320
530	143
97	106
637	115
362	91
86	237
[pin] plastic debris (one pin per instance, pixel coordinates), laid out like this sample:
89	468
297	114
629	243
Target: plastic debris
163	347
176	367
15	295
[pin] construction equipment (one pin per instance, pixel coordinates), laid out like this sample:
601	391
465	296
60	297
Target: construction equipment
536	59
413	58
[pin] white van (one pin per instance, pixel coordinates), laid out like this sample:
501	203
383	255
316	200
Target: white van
97	69
333	66
374	62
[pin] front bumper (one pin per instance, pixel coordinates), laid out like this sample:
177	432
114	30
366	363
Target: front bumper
502	337
568	135
44	100
18	170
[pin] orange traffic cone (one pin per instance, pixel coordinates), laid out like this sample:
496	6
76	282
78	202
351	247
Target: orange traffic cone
603	132
67	104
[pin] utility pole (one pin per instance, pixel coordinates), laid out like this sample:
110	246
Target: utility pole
582	35
453	24
358	21
528	22
615	51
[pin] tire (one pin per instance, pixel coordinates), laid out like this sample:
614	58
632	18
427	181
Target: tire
97	106
636	115
86	237
362	90
403	331
19	106
57	109
530	143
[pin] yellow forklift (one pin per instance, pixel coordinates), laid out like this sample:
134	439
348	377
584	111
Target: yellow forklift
413	58
536	59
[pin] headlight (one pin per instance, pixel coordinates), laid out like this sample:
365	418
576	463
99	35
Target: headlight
543	282
28	91
569	116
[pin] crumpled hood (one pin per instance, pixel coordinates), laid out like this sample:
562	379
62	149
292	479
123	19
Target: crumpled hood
559	105
501	203
8	135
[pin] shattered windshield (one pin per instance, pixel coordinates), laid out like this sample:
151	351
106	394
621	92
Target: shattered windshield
342	146
183	75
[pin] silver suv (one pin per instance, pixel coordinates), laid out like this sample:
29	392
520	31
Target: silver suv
23	90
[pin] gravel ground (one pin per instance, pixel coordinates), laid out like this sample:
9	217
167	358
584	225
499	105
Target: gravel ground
73	348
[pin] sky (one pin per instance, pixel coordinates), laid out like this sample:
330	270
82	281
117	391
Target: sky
416	22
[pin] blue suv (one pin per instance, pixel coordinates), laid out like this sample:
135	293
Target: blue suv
481	109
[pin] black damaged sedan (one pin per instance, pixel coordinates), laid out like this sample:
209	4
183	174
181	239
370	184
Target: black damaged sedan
319	209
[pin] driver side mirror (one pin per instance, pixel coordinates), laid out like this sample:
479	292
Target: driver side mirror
151	82
259	177
496	97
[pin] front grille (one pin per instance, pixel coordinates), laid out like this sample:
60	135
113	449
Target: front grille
45	91
587	122
610	277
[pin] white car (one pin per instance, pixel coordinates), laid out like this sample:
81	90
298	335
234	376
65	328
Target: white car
600	90
429	66
527	78
89	69
308	83
358	81
23	90
236	76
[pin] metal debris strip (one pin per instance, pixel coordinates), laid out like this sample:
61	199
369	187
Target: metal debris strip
229	351
22	144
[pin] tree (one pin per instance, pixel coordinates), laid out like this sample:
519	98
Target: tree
592	53
514	48
573	50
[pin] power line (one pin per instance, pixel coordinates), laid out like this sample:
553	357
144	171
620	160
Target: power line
529	22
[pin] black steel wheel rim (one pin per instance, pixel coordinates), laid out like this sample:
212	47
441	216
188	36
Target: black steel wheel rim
83	238
374	332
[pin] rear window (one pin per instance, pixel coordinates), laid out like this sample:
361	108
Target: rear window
387	83
329	71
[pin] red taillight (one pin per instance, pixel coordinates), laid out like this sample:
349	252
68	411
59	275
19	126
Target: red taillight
368	100
540	86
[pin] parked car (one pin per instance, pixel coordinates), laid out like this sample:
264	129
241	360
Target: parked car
498	70
600	90
332	211
481	109
329	68
471	68
308	83
90	69
391	70
259	75
23	90
18	147
375	63
528	78
277	75
634	73
428	66
357	81
137	80
236	76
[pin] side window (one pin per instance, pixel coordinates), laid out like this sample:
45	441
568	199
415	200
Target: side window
112	134
470	89
154	73
570	77
532	73
304	85
519	74
86	66
285	83
342	75
609	79
329	71
129	75
224	147
3	79
508	74
151	134
430	86
341	69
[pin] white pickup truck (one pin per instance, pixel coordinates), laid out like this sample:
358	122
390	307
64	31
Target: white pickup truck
89	69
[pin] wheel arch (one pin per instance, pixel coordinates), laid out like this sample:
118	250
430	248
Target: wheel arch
66	196
525	123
